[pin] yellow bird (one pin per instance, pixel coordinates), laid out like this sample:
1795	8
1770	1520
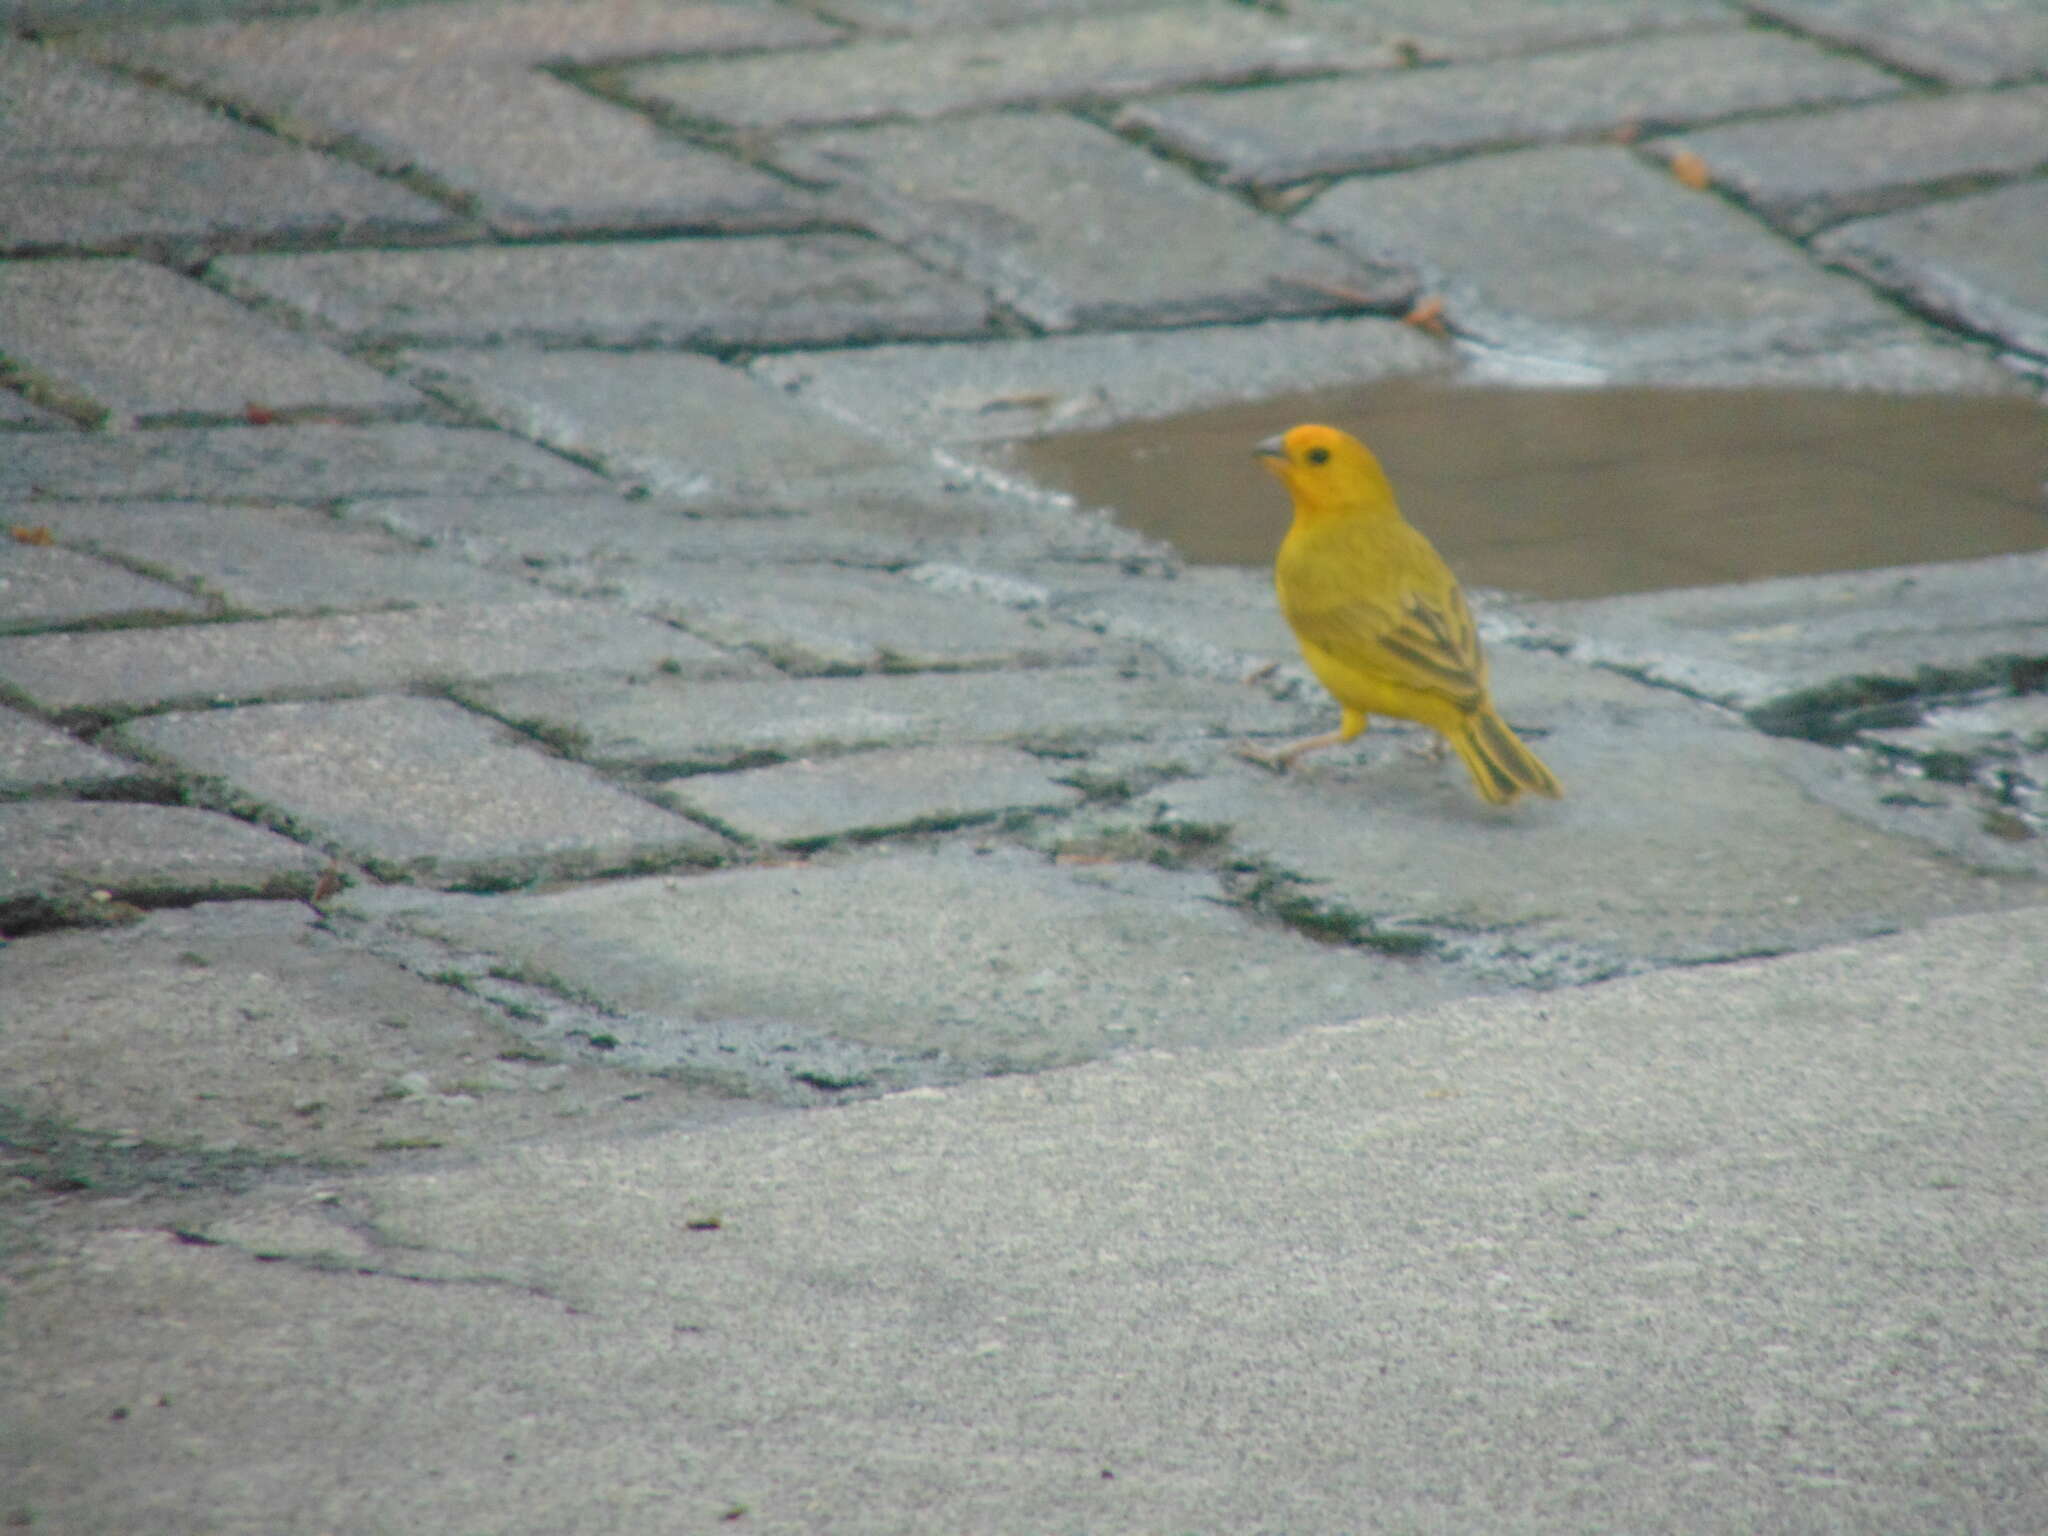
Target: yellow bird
1380	618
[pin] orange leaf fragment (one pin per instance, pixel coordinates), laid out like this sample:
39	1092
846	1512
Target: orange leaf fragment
1427	315
31	533
258	415
1691	170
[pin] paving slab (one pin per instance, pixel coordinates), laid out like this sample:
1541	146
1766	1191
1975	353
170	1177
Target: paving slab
1091	58
1684	837
1958	42
289	463
1904	359
663	724
998	959
42	585
122	671
91	160
869	794
997	391
133	343
925	15
1817	170
681	426
17	412
1588	255
274	559
874	524
1751	1248
1432	31
800	290
1045	211
92	861
420	789
39	759
1269	137
1804	650
274	1039
1973	262
809	619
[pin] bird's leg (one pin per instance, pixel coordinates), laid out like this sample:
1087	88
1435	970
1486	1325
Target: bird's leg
1281	759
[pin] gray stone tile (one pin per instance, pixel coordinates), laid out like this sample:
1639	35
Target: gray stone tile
50	100
745	292
1587	255
1806	172
661	724
1975	262
926	15
17	412
290	463
826	619
1906	359
61	853
1002	959
1093	58
135	342
996	391
1960	42
801	804
1048	213
1272	136
40	759
683	426
273	559
44	584
1428	31
116	199
421	789
452	94
120	671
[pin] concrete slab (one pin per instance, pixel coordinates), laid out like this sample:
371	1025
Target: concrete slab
1587	255
1810	647
995	959
926	15
1972	262
1684	838
120	672
815	620
804	804
42	584
1432	31
1904	359
664	725
236	1027
420	790
92	862
1270	137
684	427
1705	1249
996	391
769	290
17	412
56	101
1959	42
1045	211
40	759
132	343
272	559
1829	166
288	463
1091	58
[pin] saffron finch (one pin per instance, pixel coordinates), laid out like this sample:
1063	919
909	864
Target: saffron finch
1380	618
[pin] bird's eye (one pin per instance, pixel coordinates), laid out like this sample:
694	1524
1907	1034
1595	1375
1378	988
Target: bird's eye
1319	455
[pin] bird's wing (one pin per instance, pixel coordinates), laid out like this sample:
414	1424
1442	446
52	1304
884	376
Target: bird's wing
1409	623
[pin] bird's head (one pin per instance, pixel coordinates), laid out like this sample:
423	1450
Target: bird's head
1326	471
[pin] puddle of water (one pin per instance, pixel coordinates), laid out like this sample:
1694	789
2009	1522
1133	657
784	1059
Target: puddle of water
1584	492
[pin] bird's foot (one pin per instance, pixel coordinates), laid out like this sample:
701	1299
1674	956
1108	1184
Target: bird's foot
1277	760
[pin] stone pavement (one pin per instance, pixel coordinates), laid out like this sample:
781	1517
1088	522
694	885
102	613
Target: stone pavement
523	668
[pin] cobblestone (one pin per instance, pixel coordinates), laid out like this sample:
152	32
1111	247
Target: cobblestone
419	789
1046	212
44	584
763	292
1974	262
1817	170
39	759
1960	42
1268	138
1431	31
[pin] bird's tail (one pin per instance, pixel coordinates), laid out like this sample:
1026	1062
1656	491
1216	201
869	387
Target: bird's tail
1502	768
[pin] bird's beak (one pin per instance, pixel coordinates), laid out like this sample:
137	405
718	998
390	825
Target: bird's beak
1274	447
